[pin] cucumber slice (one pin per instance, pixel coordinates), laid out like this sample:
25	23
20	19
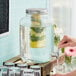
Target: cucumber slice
38	29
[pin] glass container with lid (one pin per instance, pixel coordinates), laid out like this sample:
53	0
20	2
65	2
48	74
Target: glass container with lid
36	36
11	69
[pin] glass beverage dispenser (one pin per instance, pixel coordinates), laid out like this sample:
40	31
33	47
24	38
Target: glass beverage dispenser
36	36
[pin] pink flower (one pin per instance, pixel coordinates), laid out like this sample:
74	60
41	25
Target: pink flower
70	51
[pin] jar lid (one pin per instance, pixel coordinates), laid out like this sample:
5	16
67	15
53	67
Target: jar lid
9	64
22	65
36	11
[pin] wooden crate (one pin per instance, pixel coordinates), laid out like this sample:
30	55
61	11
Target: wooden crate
46	68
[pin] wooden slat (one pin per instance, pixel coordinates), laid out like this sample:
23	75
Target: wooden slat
14	59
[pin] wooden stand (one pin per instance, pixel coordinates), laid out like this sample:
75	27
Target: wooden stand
46	68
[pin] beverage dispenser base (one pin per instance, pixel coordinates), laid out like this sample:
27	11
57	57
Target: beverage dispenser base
46	68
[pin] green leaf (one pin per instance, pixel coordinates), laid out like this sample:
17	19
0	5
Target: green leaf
68	59
62	49
37	38
38	29
54	25
56	39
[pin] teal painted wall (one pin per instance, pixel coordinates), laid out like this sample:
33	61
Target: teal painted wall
9	45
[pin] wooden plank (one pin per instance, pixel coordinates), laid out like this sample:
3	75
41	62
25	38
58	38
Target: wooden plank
14	59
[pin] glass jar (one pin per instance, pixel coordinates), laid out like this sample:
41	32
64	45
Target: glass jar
36	36
11	69
3	71
22	67
36	69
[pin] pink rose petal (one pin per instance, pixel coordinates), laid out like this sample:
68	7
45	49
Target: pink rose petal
70	51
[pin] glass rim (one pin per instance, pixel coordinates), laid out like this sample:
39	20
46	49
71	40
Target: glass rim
36	11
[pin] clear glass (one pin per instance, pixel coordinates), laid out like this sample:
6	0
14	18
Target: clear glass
36	69
21	69
10	68
71	66
3	71
59	69
36	38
